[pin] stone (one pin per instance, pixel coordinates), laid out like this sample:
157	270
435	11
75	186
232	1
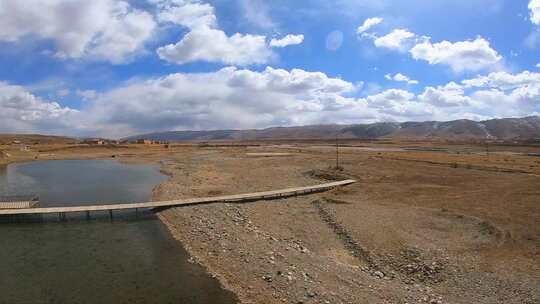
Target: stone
378	274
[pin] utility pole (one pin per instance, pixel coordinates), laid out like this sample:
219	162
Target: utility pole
337	153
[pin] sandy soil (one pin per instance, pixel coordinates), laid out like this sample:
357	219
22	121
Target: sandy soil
416	228
455	225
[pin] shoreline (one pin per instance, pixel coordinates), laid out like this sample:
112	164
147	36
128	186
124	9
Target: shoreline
170	228
404	233
195	259
313	249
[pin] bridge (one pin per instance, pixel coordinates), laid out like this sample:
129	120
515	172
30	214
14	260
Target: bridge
18	201
239	198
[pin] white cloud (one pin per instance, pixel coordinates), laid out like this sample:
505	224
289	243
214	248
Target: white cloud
394	104
205	41
86	94
450	95
257	12
21	111
534	7
228	98
461	56
504	81
116	31
401	78
207	44
397	40
532	41
538	65
242	98
63	92
102	29
501	95
186	13
287	40
368	24
123	37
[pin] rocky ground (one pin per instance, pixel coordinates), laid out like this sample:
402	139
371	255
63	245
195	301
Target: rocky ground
450	225
408	232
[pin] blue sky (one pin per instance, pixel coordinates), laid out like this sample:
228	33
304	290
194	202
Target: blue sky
115	68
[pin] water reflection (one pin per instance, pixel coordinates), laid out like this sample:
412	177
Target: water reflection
132	259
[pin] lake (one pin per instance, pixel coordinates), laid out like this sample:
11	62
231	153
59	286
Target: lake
132	259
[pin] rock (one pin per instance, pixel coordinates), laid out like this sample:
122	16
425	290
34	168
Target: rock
311	294
378	274
304	250
268	278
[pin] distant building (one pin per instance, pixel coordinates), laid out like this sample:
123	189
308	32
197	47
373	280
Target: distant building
94	142
145	141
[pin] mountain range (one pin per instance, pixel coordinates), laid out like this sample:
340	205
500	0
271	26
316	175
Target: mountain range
516	129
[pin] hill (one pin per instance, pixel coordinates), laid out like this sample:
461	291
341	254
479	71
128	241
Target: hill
31	139
516	129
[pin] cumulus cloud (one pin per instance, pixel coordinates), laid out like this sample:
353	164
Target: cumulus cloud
287	40
228	98
469	55
257	12
186	13
205	41
368	24
394	104
461	56
123	37
242	98
207	44
401	78
116	31
450	95
504	80
21	111
397	40
103	29
534	7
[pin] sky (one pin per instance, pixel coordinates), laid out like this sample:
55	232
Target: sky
114	68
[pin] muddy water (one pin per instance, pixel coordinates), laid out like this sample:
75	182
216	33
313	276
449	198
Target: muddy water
132	259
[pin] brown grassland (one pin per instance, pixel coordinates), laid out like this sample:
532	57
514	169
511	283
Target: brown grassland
434	223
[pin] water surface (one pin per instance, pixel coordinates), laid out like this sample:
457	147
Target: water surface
79	182
128	260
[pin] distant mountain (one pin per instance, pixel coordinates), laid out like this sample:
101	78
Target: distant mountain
30	139
527	128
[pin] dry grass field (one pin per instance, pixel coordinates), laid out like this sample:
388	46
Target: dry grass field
426	223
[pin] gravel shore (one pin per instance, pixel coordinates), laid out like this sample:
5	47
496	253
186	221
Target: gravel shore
392	238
